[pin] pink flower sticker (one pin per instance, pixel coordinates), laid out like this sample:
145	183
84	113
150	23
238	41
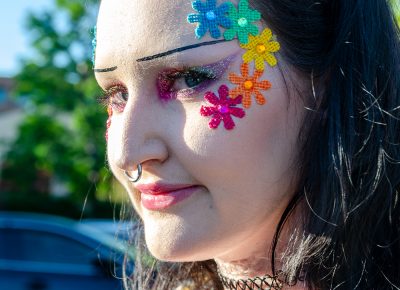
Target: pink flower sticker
222	109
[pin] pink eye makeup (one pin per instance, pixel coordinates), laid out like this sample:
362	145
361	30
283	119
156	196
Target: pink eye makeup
189	81
173	83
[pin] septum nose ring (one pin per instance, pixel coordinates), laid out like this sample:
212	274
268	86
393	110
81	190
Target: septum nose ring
138	174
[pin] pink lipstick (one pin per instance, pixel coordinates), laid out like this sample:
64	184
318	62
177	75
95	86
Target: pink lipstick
157	196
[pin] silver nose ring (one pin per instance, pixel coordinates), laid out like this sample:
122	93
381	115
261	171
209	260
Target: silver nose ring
138	174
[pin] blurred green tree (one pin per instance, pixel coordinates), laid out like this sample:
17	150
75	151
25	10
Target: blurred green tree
396	8
60	145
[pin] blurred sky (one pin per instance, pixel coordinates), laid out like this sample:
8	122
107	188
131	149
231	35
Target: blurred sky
14	39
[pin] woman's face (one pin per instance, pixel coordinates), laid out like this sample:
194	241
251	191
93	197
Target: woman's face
240	179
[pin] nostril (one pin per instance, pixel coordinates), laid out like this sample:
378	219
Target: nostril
138	174
124	164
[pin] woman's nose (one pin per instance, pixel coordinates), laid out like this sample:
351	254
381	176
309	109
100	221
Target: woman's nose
137	135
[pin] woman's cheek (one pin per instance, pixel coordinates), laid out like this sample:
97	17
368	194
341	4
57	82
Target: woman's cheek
108	123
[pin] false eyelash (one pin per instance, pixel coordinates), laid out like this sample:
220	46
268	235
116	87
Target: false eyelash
184	72
166	81
105	99
187	71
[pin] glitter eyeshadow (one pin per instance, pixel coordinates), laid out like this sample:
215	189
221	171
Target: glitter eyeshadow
210	73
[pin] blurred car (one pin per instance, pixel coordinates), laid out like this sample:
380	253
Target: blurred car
41	252
121	231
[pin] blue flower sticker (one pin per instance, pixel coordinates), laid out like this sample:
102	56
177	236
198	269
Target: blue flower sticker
209	18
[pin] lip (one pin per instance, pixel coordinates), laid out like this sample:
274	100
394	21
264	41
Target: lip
158	196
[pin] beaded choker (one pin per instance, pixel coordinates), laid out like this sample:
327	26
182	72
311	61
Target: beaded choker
266	282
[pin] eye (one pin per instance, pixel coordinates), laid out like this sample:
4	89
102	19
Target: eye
116	97
177	82
192	78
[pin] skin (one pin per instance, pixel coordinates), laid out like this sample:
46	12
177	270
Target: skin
246	174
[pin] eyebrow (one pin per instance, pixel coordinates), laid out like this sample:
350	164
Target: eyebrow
162	54
179	49
101	70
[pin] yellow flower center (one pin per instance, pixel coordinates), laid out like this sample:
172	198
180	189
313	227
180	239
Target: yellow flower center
261	48
248	85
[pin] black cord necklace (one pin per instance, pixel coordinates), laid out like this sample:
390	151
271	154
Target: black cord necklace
266	282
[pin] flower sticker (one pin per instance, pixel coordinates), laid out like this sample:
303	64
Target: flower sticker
248	86
209	18
260	49
222	109
242	22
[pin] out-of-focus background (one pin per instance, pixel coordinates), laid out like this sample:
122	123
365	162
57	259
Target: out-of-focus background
52	146
52	154
59	204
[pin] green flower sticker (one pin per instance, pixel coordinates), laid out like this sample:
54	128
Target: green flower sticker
242	22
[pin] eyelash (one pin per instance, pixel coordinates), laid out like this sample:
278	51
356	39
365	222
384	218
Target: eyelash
196	79
114	97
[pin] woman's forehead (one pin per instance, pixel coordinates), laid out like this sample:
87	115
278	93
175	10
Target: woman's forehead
143	26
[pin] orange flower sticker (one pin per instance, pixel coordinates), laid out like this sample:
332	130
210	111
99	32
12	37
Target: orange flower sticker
248	86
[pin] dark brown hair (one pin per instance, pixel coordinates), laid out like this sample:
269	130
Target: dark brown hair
350	156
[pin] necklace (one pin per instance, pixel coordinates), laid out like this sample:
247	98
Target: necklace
266	282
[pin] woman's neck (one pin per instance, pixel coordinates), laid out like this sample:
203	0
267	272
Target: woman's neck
247	274
246	268
258	273
258	265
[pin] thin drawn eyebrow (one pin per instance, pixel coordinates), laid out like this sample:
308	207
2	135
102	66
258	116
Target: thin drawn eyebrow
101	70
179	49
169	52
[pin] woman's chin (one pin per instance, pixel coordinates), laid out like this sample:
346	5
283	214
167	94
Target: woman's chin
175	247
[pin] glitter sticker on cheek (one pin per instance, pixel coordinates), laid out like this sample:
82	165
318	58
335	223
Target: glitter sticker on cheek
248	86
209	18
222	108
242	22
260	49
